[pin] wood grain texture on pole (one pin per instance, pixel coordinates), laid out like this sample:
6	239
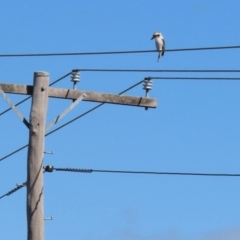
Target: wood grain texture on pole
88	96
103	97
35	217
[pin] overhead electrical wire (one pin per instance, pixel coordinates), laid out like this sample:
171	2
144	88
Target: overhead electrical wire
59	79
81	115
8	109
117	52
13	190
194	78
163	78
161	70
99	105
80	170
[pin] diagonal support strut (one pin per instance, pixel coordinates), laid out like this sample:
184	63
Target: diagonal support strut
11	104
66	111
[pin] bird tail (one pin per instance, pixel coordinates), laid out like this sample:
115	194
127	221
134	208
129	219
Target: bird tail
159	55
163	50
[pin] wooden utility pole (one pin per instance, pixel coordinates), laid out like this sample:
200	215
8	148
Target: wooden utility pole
37	125
40	92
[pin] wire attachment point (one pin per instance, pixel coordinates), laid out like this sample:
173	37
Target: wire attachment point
21	184
48	168
147	85
48	152
75	77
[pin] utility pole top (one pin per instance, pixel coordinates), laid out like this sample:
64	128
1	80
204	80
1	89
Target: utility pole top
41	73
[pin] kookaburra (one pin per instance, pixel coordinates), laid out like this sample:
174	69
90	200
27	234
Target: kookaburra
160	43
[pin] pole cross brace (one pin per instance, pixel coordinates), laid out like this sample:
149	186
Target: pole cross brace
11	104
67	110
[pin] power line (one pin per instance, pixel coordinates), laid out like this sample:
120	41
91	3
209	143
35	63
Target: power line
99	105
139	70
195	78
90	110
12	153
80	170
163	78
83	114
49	168
13	190
164	70
24	100
5	111
61	78
116	52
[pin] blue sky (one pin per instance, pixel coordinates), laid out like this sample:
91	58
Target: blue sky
195	127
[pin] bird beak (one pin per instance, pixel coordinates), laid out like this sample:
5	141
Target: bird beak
152	37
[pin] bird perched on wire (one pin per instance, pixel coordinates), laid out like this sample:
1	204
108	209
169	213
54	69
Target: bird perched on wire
160	43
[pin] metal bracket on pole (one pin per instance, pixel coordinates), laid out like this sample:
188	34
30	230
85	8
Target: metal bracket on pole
68	109
50	218
11	104
22	184
48	152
